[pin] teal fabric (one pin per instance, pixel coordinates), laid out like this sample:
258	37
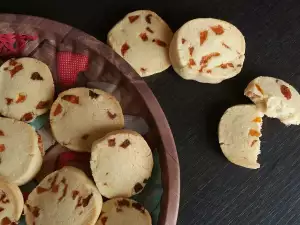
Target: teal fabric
150	196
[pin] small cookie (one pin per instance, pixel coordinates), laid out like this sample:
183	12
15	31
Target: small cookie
275	98
27	89
142	38
11	203
21	151
239	132
119	211
207	50
121	163
67	197
79	116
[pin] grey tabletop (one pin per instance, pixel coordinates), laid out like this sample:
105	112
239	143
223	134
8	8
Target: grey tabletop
214	191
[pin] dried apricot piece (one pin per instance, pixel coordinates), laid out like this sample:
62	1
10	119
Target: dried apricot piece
71	98
15	70
43	104
125	47
226	46
138	187
144	36
191	63
36	76
111	142
191	50
143	70
160	42
13	62
202	67
254	133
203	36
133	18
21	98
57	110
111	115
27	117
125	144
259	89
2	147
286	92
257	120
218	29
104	220
226	65
206	58
253	142
9	101
148	18
138	207
149	29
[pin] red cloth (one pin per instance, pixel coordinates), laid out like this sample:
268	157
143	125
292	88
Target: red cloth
69	65
13	44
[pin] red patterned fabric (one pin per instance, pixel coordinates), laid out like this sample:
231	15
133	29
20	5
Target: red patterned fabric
13	44
69	65
80	160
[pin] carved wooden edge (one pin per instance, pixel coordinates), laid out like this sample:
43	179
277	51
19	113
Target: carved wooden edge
168	158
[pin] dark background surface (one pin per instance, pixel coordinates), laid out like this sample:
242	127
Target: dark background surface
213	191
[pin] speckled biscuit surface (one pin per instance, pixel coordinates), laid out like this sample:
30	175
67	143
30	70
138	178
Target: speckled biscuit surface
207	50
142	38
79	116
121	211
21	151
239	132
121	163
66	196
26	89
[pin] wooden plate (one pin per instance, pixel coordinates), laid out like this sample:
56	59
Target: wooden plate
104	66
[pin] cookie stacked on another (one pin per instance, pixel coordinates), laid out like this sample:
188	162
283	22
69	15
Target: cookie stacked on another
123	211
11	202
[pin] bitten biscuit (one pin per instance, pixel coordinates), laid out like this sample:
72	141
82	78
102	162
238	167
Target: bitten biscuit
239	132
275	98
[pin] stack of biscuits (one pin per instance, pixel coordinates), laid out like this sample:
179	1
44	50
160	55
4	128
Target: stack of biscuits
82	120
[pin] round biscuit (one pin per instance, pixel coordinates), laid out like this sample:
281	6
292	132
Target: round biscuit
119	211
27	89
66	196
79	116
207	50
21	151
142	38
121	163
